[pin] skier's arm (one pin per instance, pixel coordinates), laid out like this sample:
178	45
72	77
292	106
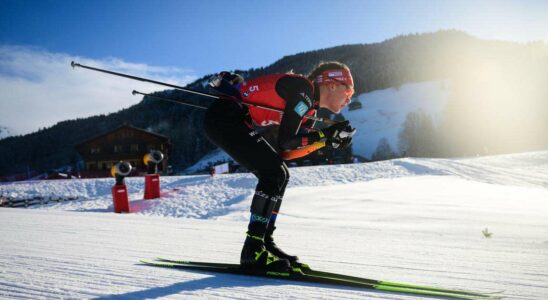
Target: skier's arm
298	95
304	151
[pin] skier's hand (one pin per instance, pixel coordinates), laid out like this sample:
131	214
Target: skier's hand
230	78
346	142
339	143
225	84
339	131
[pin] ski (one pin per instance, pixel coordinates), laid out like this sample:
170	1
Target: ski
309	271
302	277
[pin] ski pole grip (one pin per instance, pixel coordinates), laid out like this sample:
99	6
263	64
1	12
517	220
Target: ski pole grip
74	64
328	121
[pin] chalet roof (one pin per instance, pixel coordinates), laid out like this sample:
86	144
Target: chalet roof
163	137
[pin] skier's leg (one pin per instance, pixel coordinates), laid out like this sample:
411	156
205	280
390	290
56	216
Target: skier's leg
225	126
268	238
281	193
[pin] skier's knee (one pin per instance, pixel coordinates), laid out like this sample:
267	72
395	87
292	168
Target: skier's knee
274	181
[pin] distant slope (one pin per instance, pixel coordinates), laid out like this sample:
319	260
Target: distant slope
383	112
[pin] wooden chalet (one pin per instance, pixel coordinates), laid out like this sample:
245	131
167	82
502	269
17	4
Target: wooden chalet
125	143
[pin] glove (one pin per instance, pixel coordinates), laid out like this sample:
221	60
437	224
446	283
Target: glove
226	83
338	131
230	78
339	144
346	142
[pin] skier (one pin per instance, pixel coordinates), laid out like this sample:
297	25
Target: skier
231	126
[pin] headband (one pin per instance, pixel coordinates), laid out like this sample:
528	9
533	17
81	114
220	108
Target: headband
336	75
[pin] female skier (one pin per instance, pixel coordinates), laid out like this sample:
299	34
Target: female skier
230	124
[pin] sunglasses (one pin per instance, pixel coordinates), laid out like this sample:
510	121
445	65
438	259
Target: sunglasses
349	90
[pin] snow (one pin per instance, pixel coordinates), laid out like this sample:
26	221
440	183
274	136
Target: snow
215	157
412	220
383	112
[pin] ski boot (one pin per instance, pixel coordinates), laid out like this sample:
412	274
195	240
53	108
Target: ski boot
274	249
255	257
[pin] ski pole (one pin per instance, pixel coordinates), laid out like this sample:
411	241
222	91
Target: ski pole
314	118
74	64
168	99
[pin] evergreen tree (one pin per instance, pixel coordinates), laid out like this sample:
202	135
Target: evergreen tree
383	151
418	136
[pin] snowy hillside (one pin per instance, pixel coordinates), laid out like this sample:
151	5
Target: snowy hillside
212	158
383	112
411	220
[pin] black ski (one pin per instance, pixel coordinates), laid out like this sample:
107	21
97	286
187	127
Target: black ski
309	271
312	278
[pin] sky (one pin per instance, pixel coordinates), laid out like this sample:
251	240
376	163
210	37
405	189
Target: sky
180	41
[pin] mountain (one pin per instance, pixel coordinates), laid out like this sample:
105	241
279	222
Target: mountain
476	68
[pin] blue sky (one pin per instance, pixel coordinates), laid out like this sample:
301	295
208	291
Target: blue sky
179	41
207	36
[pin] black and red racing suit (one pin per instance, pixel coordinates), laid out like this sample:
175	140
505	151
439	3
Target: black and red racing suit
230	125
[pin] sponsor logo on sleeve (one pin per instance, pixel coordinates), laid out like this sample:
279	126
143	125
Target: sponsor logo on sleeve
307	98
301	108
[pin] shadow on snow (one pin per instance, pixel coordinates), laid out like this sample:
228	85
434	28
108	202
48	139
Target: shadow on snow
216	281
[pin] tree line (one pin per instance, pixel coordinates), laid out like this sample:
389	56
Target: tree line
499	102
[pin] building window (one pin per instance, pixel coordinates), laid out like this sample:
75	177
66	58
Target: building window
151	147
117	148
134	148
95	150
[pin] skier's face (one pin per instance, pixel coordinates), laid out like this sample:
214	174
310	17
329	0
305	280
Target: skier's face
338	95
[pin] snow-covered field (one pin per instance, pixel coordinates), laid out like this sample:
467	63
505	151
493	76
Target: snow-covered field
410	220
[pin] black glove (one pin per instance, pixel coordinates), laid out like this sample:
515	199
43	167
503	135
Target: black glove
226	83
339	143
338	131
346	142
230	78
